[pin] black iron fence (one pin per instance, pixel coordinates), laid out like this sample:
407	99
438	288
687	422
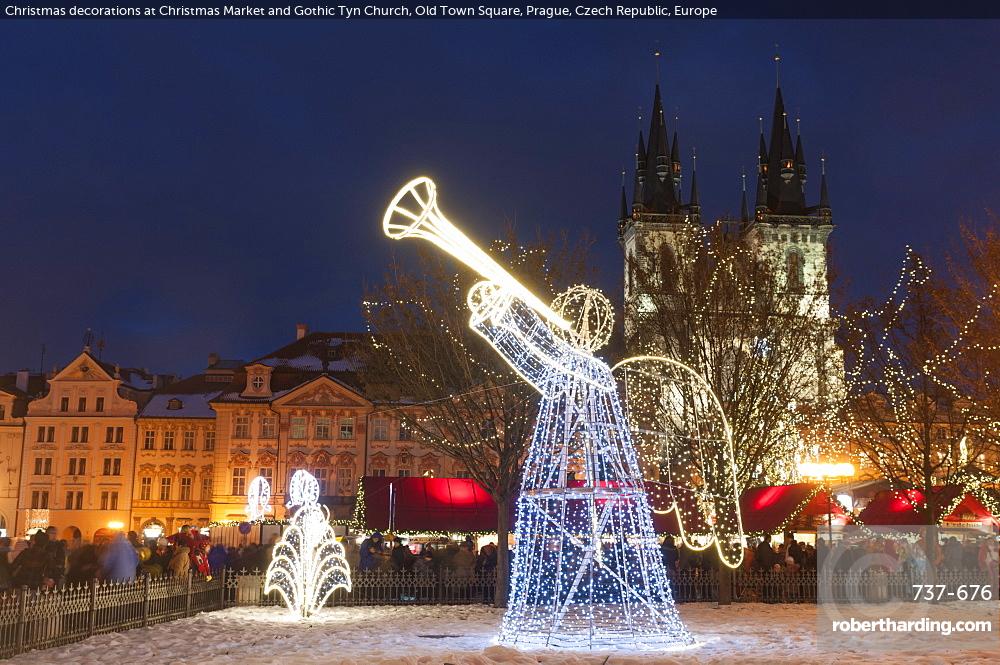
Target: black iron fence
43	618
39	619
378	588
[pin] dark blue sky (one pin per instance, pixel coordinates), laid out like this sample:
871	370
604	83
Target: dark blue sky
186	187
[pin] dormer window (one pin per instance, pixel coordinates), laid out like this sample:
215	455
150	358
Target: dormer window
257	382
174	404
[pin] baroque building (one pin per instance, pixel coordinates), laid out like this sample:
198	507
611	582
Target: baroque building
78	458
15	393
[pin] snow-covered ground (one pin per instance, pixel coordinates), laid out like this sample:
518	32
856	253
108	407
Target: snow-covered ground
463	635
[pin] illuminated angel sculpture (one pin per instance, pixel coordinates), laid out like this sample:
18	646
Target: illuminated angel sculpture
678	423
308	563
258	499
587	569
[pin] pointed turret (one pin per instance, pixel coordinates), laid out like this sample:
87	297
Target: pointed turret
824	195
744	212
675	161
638	194
623	213
693	205
800	155
658	195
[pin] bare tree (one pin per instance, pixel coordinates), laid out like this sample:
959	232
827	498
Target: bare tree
453	390
711	301
900	412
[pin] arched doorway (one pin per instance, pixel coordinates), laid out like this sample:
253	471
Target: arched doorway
71	534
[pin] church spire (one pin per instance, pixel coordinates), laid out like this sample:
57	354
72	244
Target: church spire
824	195
693	204
744	213
623	213
800	155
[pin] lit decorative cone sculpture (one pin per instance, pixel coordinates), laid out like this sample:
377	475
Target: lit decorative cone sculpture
587	569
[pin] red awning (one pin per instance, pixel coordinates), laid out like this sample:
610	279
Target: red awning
899	507
428	504
764	509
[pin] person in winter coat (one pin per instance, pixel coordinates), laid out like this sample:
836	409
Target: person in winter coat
5	576
402	557
371	552
217	557
180	563
84	565
199	560
464	560
35	567
119	561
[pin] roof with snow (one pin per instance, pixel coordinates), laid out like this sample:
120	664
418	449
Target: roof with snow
184	399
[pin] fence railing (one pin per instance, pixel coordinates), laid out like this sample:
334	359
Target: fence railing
39	619
43	618
378	588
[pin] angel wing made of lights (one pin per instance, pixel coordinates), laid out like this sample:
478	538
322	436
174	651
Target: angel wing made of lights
258	499
303	490
678	423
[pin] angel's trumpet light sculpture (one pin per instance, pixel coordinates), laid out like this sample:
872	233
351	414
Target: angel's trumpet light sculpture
308	563
587	571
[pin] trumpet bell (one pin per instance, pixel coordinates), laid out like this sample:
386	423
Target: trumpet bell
412	205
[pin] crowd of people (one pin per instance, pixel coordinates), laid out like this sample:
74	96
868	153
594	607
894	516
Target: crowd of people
378	553
44	562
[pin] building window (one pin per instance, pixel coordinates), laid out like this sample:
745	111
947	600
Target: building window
99	405
347	428
74	435
149	441
174	404
206	489
112	466
79	435
323	428
380	429
796	271
43	466
210	439
146	489
239	482
257	382
81	405
322	477
50	434
403	473
345	481
109	500
185	494
168	440
64	404
188	440
165	489
77	466
241	429
268	427
41	434
114	434
74	500
378	473
298	428
267	473
405	433
40	499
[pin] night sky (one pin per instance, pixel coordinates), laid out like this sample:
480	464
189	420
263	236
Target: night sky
184	187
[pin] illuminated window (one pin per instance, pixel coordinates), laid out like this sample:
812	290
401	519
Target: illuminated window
241	429
210	439
297	428
188	440
149	441
206	489
268	427
239	481
345	481
145	488
347	428
165	489
322	476
380	429
323	428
